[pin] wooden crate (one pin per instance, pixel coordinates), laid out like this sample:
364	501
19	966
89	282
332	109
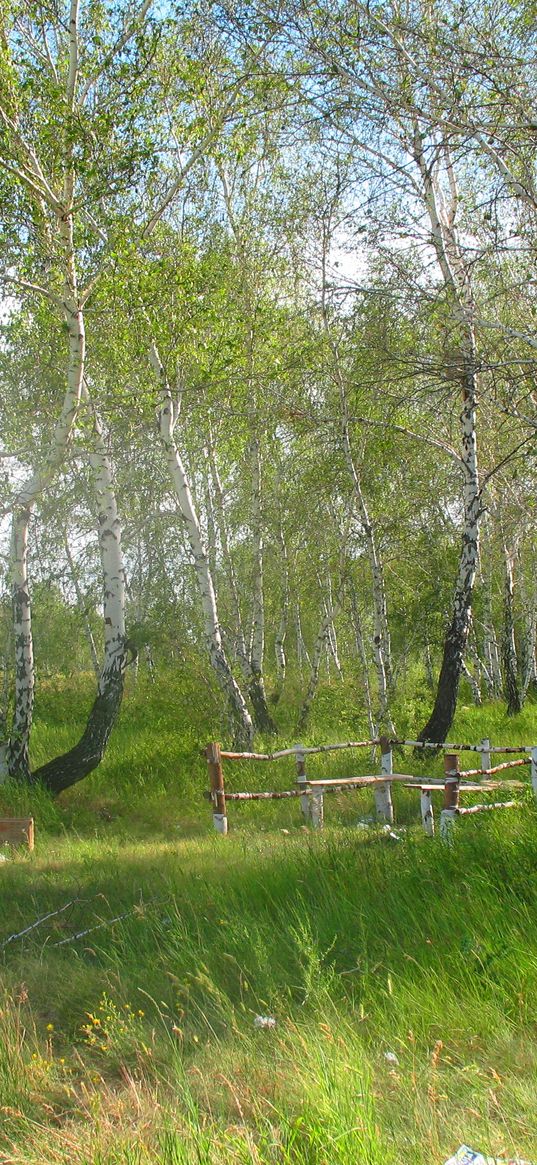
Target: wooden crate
17	831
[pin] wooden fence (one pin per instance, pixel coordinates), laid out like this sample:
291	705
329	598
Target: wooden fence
455	783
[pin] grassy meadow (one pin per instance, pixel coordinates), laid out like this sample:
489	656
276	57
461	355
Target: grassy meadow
402	975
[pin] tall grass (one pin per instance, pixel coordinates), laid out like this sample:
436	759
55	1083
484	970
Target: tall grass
402	976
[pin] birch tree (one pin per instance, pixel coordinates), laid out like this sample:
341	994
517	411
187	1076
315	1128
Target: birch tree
168	415
86	755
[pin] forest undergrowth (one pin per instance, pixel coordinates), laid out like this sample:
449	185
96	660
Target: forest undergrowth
402	975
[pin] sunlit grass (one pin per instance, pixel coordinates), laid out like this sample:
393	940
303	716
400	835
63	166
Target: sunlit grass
402	975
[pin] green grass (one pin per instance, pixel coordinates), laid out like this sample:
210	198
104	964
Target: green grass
135	1042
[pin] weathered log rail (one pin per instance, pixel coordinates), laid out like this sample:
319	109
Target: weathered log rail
311	791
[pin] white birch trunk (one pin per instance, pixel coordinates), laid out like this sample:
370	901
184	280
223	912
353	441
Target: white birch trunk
474	684
510	661
256	687
491	650
78	762
332	646
301	649
28	495
281	633
17	752
360	648
211	520
316	660
111	556
381	638
481	666
241	651
442	217
247	294
168	414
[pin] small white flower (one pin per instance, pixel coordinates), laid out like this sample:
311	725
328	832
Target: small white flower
264	1021
391	1058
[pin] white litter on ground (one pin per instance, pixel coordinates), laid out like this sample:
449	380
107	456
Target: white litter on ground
467	1156
264	1021
391	1058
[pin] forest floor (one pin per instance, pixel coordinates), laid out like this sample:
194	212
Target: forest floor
402	976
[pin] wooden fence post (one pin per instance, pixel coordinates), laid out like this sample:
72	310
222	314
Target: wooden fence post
216	778
383	793
302	780
451	795
427	814
534	770
485	753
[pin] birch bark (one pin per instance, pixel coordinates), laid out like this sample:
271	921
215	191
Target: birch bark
240	649
301	649
442	212
316	660
510	662
78	762
381	637
167	417
281	633
360	648
62	211
247	294
256	686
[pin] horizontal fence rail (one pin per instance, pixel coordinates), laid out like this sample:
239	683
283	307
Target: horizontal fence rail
311	791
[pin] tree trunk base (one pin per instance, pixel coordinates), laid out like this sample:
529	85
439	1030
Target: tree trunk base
80	761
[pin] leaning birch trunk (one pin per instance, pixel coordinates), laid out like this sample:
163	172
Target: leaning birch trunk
442	210
78	762
256	686
62	210
316	660
510	662
456	638
28	495
167	416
